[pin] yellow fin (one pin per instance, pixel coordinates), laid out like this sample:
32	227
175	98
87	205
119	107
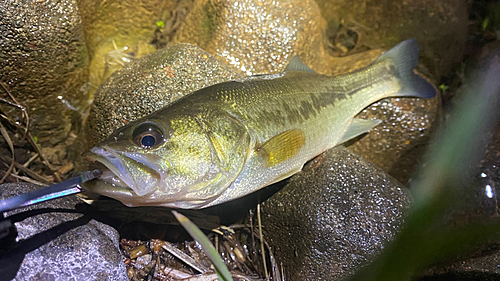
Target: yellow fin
282	147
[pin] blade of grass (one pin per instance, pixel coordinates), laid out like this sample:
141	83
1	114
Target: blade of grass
207	247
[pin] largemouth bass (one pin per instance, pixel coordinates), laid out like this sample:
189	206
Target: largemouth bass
230	139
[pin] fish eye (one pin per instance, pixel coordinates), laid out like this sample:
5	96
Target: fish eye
148	135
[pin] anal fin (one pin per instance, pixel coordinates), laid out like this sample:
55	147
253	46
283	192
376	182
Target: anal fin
282	147
358	127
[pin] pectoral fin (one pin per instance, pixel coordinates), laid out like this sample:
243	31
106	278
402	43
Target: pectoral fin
282	147
358	127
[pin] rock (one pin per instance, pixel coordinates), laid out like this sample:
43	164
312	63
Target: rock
397	144
150	83
56	243
480	268
118	31
440	27
333	217
43	63
256	36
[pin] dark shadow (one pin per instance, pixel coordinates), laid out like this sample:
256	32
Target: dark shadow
158	222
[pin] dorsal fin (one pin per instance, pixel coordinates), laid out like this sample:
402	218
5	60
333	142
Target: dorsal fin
296	64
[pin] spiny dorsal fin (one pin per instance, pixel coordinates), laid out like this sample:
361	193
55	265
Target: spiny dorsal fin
282	147
358	127
296	64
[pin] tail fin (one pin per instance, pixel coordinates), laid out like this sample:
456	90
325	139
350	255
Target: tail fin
405	57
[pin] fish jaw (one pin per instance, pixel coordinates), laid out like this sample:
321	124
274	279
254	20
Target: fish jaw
131	170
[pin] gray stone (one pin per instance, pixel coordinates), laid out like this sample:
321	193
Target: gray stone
56	243
333	217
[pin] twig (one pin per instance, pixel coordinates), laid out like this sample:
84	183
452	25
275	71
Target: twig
38	150
27	179
17	104
11	146
25	115
262	242
251	231
185	258
26	170
27	163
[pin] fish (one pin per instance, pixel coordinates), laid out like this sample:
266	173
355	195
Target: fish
230	139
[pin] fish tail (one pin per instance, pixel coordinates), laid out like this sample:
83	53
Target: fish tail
404	56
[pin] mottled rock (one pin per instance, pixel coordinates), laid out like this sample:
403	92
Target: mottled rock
118	31
256	36
333	217
150	83
396	145
43	62
439	26
56	243
482	268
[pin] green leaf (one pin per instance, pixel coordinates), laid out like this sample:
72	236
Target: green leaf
485	23
443	87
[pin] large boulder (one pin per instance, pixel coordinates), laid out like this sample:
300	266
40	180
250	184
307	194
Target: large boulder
333	217
43	63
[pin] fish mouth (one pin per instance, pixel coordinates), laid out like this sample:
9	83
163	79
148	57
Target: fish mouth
127	169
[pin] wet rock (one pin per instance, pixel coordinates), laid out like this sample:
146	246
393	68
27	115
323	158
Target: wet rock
119	31
43	63
333	217
150	83
439	26
256	36
56	243
480	268
397	144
